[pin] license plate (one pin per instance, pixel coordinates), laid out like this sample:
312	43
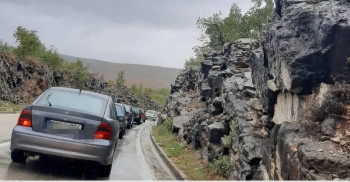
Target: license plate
64	125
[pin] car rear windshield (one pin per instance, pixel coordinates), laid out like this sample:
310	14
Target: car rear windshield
135	110
127	107
120	111
75	101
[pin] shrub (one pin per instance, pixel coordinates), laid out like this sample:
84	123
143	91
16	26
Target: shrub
232	136
222	166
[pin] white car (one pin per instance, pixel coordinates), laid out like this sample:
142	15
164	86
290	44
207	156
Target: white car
151	115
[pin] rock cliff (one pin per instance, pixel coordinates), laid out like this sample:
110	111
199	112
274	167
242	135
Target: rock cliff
279	107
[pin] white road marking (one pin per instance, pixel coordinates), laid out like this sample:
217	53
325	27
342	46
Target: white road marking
5	144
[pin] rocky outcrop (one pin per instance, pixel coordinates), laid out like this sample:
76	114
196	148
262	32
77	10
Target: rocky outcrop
224	96
303	54
22	81
279	107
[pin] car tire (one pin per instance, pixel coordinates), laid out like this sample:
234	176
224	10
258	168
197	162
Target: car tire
105	170
91	171
18	156
121	134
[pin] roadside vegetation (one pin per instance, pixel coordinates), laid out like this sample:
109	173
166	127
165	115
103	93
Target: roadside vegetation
185	157
29	45
218	30
158	96
10	107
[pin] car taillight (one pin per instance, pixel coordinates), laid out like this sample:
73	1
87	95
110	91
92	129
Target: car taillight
138	116
104	131
25	119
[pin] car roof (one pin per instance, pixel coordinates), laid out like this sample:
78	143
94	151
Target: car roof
82	91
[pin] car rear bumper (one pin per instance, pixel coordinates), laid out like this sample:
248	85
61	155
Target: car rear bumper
151	117
24	138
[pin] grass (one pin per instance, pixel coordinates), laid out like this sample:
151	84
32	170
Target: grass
183	156
10	107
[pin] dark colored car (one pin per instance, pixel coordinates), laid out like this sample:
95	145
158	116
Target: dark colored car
129	115
137	114
122	119
68	123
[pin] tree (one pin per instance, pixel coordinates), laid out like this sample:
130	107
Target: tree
28	42
120	81
80	73
218	31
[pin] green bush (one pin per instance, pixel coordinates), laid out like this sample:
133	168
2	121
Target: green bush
232	136
49	56
222	166
5	47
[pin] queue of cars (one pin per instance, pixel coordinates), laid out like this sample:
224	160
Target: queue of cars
74	124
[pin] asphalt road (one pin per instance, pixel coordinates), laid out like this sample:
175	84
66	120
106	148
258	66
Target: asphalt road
135	159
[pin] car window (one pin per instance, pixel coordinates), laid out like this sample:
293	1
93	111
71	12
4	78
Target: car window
120	110
135	110
127	108
74	101
113	111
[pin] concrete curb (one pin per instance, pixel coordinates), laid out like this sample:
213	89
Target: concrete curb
178	173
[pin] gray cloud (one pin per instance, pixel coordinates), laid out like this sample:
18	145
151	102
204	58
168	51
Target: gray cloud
152	32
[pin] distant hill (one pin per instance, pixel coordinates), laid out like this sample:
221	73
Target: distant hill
154	77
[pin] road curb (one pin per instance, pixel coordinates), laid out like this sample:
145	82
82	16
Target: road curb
178	173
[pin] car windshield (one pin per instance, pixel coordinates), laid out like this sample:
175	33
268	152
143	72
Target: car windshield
120	111
75	101
135	110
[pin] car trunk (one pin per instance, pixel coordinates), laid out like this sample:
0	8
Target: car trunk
63	122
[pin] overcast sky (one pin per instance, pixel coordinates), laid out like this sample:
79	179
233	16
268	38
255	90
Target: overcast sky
151	32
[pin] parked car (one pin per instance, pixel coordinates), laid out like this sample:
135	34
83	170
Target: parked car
137	114
122	119
143	115
151	115
68	123
129	115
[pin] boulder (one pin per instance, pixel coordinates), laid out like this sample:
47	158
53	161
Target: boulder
216	131
217	106
206	66
328	126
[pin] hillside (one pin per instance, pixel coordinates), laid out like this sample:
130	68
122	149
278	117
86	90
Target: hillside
154	77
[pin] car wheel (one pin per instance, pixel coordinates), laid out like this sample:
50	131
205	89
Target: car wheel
121	134
91	171
105	170
18	156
